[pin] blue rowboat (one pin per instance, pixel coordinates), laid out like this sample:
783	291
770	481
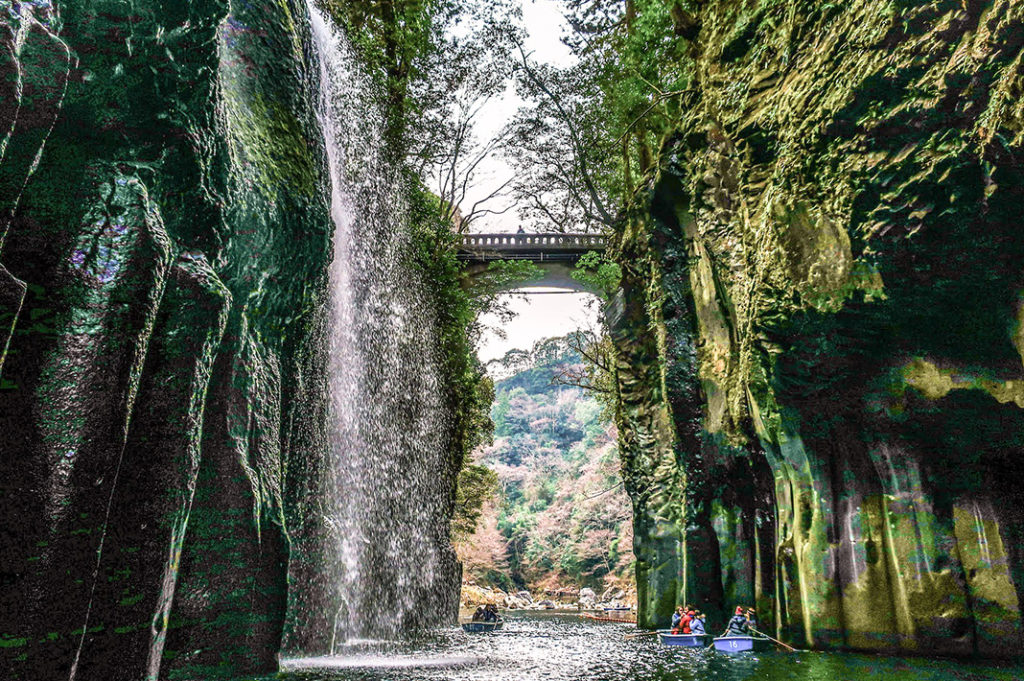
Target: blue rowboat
740	644
482	627
682	640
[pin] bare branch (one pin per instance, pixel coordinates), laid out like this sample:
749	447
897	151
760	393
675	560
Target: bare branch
578	150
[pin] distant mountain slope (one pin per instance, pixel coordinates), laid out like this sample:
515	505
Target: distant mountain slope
561	517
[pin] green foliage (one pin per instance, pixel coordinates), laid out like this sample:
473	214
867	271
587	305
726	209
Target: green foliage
421	52
499	415
469	392
599	273
563	507
396	39
592	129
476	485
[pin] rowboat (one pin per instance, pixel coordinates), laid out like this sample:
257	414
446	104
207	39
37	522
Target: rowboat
683	640
482	627
740	644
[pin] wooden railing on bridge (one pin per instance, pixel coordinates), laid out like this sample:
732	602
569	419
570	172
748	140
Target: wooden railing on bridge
529	246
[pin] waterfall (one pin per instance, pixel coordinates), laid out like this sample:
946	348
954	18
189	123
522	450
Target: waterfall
386	494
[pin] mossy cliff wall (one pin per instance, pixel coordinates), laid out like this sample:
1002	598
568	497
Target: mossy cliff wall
820	335
164	242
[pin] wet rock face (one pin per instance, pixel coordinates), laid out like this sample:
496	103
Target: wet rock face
161	334
835	235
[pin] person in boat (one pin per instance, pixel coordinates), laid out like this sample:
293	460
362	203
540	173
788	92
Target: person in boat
478	616
677	617
491	613
738	624
751	620
684	624
697	623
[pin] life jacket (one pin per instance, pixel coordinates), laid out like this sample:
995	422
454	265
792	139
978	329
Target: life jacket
684	623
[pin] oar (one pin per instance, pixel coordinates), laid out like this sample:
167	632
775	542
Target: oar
784	645
712	644
645	633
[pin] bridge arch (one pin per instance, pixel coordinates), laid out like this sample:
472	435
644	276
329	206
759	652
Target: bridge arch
555	255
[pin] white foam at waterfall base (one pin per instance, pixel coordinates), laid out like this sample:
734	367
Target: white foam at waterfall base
376	662
384	497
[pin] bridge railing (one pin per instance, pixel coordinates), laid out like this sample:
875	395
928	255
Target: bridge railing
520	241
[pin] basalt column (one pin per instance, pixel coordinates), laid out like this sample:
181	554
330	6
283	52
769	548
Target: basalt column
846	180
164	240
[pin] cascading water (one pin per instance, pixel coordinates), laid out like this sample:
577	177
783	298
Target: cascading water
386	492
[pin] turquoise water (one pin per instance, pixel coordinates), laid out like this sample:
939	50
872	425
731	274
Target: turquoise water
564	648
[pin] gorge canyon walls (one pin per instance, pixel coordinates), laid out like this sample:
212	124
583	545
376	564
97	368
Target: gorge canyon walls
818	335
819	328
165	429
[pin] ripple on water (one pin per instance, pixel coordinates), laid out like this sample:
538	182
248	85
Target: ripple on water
537	648
369	663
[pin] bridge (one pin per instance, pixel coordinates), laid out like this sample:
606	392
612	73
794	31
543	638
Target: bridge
533	247
555	254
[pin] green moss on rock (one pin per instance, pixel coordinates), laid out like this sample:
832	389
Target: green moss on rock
838	200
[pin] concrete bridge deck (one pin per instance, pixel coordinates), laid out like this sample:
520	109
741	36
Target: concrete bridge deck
479	248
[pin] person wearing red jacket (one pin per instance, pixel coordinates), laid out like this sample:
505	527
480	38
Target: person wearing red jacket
684	623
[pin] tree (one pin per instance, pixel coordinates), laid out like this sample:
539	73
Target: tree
560	160
596	373
477	485
593	128
455	169
419	52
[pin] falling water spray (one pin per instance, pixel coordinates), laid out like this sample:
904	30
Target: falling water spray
388	481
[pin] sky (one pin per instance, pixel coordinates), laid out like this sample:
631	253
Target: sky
545	315
538	317
545	24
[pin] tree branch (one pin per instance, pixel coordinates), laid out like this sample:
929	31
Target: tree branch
578	150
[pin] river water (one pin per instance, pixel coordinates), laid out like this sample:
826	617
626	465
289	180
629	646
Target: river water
535	647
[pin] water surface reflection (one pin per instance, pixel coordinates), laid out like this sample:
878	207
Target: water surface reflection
561	648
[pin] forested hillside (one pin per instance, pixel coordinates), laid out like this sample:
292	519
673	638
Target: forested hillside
559	518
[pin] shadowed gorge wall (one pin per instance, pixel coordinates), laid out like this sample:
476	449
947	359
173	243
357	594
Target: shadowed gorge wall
155	384
818	333
165	237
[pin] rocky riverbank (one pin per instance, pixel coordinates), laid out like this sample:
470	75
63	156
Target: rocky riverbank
567	598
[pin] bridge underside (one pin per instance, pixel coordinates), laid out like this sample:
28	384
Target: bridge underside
555	254
557	275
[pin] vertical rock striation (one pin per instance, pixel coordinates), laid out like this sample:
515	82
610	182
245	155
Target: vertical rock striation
834	235
164	241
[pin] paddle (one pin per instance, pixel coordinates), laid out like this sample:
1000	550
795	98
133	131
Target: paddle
784	645
644	633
